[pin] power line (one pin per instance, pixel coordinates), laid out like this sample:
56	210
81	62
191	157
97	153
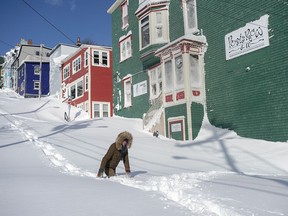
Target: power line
49	22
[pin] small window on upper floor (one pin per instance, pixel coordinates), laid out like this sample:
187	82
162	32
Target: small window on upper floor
37	69
77	64
101	58
124	9
190	17
125	48
154	28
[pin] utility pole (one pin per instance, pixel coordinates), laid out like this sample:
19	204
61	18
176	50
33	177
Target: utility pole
40	72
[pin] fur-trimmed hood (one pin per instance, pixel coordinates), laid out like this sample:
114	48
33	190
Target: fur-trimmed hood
121	137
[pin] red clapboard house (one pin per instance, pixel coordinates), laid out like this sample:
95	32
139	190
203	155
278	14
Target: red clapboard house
87	80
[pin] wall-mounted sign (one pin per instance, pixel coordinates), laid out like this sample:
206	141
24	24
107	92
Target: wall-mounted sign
176	127
253	36
140	88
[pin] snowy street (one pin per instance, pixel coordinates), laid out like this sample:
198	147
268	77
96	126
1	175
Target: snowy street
49	166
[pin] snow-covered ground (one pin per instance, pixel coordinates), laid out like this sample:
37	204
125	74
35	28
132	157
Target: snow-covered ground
48	167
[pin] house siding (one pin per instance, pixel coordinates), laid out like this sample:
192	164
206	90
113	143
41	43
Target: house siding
251	102
133	65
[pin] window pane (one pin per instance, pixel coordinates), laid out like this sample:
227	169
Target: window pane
179	72
168	76
96	57
129	47
79	88
194	71
72	92
104	58
145	34
123	51
191	14
96	110
124	14
36	69
105	110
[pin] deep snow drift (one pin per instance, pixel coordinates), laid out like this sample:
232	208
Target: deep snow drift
48	167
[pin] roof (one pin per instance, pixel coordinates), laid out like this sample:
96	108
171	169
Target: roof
61	44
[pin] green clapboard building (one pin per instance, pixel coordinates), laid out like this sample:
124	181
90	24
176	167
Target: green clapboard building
158	65
174	61
246	66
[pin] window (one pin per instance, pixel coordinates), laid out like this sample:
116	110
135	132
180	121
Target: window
190	16
80	88
86	60
159	26
195	71
86	82
87	107
36	69
179	75
168	77
77	64
66	72
125	49
36	85
155	82
96	57
76	90
96	110
37	53
124	9
105	110
154	28
101	109
145	32
73	92
127	93
104	58
101	58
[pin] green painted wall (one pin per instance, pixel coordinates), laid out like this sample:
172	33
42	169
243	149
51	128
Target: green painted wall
176	21
176	111
252	103
197	112
132	65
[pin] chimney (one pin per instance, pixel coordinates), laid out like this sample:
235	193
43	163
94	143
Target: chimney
78	42
30	42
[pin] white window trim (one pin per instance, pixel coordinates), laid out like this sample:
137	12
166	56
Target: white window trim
86	58
76	89
187	30
100	103
101	58
125	81
74	61
153	28
36	82
36	69
86	83
66	77
157	82
127	53
125	3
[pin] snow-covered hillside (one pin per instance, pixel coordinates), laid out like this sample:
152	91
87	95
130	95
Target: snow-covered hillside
48	167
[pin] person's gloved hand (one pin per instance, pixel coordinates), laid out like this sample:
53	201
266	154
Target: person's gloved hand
100	173
128	173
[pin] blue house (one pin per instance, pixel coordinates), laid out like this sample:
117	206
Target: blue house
31	80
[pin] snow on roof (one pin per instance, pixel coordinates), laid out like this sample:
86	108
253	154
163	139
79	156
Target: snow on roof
146	3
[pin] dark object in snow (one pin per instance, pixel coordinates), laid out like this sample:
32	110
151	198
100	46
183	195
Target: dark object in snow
156	134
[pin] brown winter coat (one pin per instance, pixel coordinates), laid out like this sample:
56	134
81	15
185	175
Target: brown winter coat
113	155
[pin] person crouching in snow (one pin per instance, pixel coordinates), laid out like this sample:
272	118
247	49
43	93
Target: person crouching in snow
116	152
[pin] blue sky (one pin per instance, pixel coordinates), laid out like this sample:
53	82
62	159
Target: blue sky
85	18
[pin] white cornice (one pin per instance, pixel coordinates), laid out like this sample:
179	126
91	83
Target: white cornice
114	6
